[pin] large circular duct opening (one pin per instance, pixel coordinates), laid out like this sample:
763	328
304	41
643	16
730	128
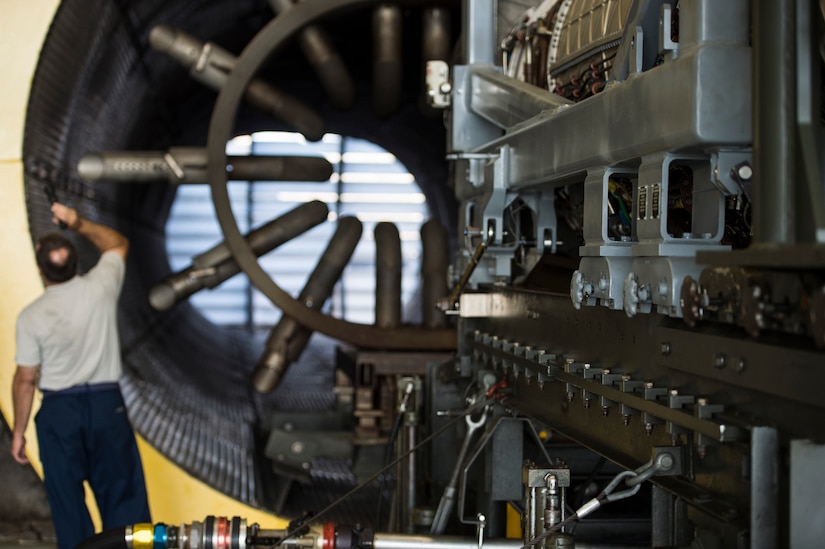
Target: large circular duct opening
100	86
366	182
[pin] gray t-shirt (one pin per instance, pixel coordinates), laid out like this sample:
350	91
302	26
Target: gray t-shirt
70	331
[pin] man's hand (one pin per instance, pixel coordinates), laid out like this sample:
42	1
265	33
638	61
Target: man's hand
65	214
18	448
104	238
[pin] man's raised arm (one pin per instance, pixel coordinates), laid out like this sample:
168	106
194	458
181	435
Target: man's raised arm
106	239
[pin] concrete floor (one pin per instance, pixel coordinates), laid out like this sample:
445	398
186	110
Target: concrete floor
20	544
25	520
28	534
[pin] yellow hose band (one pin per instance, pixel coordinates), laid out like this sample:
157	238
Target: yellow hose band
143	536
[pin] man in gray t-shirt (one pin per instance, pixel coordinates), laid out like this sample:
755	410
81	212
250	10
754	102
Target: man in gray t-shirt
68	346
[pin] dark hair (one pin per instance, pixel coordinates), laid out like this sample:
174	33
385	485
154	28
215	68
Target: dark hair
54	272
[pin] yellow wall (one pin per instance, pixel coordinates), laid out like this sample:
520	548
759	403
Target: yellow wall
174	496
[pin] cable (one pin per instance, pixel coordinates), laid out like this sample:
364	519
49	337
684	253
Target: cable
632	479
296	530
390	443
402	408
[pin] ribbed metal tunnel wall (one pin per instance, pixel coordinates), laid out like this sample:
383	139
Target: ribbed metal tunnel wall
99	86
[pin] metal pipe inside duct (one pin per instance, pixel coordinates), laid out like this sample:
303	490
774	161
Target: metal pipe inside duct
289	338
279	168
435	52
387	275
210	64
217	265
387	65
434	262
187	165
436	39
326	62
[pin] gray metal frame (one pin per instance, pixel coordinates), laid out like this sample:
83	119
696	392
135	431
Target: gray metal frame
640	124
600	370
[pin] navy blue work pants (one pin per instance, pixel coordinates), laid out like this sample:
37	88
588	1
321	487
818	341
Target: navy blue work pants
85	435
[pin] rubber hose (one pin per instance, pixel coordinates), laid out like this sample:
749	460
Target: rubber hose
113	538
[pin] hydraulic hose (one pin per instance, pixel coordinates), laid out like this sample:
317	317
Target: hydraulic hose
113	538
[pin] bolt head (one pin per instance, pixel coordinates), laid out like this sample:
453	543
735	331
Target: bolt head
489	380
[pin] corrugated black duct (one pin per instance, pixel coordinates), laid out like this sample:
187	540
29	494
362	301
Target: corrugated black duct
99	86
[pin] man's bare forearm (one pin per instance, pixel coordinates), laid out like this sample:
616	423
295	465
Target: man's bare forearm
22	393
104	238
23	388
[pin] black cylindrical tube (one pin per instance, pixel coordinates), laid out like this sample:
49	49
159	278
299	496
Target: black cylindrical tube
286	108
387	275
191	52
436	42
217	265
113	538
280	168
183	165
325	61
434	263
387	64
332	262
284	228
329	66
289	338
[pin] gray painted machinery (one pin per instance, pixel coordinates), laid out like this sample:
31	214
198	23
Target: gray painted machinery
630	345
